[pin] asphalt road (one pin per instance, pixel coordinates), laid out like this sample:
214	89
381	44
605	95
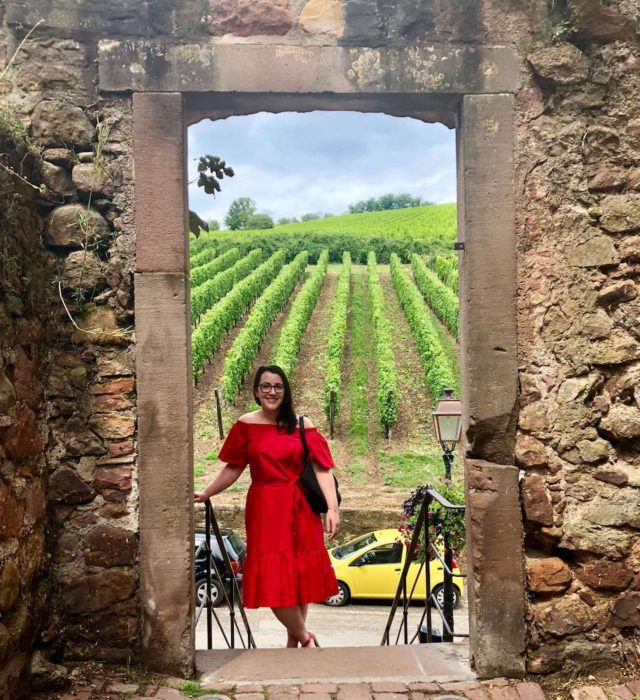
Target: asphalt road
359	624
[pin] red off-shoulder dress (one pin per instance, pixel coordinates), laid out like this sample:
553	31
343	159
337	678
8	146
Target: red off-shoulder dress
287	563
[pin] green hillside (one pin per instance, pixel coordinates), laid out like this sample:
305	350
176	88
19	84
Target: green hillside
423	230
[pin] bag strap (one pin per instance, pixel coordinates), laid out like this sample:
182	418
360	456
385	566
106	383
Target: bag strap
302	435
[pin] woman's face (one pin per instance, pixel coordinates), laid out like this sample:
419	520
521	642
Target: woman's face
270	391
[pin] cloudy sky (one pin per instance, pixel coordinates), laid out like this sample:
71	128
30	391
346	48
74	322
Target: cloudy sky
292	163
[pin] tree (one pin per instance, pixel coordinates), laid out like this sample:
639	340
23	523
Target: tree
311	216
210	183
259	221
239	212
385	202
214	225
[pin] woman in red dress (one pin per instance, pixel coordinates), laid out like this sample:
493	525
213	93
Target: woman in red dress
287	565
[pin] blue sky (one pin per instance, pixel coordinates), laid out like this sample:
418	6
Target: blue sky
294	163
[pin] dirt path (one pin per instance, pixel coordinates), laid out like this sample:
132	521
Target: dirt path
311	367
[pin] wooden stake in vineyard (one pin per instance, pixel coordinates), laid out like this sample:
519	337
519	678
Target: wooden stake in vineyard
219	412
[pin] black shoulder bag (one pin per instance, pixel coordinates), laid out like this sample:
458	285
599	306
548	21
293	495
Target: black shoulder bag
309	481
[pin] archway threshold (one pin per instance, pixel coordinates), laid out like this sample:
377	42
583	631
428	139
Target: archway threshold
416	662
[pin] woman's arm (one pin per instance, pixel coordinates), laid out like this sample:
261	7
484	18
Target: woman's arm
227	476
328	488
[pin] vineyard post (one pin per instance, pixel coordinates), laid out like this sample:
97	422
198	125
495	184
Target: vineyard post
219	413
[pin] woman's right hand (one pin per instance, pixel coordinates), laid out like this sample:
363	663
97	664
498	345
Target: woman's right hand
200	497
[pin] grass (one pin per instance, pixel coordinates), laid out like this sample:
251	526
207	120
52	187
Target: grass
361	358
194	689
410	469
357	472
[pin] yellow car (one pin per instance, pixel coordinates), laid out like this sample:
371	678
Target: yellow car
370	567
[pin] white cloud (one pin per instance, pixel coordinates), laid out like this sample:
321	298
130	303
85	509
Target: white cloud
294	163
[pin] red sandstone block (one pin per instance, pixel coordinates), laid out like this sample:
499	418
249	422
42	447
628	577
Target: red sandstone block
496	682
424	687
283	689
389	696
249	688
315	696
529	691
249	696
319	688
168	694
388	687
475	694
354	691
282	696
588	692
505	692
620	691
634	687
459	686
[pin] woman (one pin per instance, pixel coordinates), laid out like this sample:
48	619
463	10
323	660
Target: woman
287	565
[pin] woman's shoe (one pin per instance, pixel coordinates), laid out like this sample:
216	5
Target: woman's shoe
311	637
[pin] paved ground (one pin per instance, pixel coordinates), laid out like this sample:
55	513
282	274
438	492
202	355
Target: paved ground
103	686
356	625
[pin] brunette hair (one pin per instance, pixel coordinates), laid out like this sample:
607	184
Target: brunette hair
286	417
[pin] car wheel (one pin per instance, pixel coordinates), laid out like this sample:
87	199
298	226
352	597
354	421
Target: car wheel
438	594
341	598
201	590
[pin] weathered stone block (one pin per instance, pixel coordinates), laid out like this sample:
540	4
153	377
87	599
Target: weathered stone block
113	479
322	17
58	123
596	21
110	546
57	179
83	270
620	213
537	505
596	252
568	615
563	64
74	226
22	439
582	535
65	486
618	349
101	327
622	422
113	426
115	386
626	611
12	512
85	594
548	575
247	18
91	181
9	585
7	392
605	575
621	508
530	452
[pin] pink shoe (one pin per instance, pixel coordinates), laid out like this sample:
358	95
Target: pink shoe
311	636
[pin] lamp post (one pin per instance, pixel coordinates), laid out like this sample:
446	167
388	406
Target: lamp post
447	422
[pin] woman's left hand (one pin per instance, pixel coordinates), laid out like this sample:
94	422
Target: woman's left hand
332	522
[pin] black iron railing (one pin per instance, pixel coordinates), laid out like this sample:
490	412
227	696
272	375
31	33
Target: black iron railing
231	599
445	610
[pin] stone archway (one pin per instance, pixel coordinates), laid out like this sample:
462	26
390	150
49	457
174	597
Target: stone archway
469	87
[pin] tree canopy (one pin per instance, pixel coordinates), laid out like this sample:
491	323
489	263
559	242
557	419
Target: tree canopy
239	212
387	201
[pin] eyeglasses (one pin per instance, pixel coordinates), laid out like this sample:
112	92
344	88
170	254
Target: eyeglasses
265	388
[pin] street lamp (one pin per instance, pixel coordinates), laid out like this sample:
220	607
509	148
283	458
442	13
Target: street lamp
447	422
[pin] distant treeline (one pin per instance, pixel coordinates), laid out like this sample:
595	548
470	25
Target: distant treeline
387	201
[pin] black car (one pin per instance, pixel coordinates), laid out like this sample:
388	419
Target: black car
236	552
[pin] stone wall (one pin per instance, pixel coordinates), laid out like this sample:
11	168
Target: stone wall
577	187
23	275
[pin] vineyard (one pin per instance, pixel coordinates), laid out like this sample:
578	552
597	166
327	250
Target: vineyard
364	323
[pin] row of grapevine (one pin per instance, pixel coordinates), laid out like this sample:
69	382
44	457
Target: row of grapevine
247	343
335	345
288	345
438	370
196	245
203	257
439	297
446	267
385	364
220	319
207	294
205	272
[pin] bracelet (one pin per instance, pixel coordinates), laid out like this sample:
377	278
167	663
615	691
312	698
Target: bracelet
336	509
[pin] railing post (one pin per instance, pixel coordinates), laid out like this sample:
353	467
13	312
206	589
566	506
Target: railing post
207	548
448	590
427	566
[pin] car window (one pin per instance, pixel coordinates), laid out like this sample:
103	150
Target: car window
351	547
386	554
236	543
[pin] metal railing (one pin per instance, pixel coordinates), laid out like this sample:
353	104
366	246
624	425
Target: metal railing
231	599
445	610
